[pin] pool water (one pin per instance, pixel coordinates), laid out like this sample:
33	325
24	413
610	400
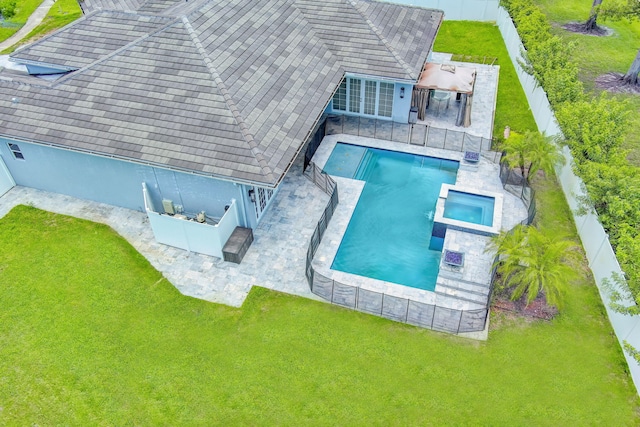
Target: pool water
389	236
468	207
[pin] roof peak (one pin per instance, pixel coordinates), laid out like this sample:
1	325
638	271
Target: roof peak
260	158
116	52
410	71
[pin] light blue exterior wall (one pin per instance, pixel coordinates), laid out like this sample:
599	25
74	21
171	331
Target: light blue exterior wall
190	235
248	206
6	180
402	105
115	182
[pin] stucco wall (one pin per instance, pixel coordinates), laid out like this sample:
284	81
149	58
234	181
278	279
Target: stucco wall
402	105
6	180
113	181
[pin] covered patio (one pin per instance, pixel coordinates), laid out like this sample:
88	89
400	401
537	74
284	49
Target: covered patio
481	95
438	84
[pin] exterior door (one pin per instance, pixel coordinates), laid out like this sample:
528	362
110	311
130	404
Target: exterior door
369	97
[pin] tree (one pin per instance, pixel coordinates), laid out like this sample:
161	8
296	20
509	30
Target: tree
622	301
595	128
631	76
7	8
591	25
530	262
531	152
549	61
625	9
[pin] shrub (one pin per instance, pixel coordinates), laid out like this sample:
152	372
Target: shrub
7	8
594	130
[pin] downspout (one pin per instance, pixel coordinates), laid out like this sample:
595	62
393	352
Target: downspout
244	205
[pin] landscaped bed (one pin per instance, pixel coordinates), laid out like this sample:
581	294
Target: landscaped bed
91	334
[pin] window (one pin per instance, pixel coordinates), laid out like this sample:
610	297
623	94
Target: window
263	196
340	98
16	151
385	102
354	95
368	97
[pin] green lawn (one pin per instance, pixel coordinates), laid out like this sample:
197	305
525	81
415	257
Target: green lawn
599	55
512	109
24	9
91	334
63	12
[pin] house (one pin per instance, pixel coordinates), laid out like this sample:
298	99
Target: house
206	103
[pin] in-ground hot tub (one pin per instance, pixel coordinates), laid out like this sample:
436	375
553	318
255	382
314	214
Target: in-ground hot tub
469	207
470	210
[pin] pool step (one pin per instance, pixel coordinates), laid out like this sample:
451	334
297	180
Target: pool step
365	166
463	290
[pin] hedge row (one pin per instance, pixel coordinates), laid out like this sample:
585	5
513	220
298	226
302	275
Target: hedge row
594	129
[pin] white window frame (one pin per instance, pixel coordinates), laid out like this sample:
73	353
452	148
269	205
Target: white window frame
15	150
263	197
362	107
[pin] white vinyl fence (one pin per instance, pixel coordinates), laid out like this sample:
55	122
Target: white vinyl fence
459	10
6	180
600	254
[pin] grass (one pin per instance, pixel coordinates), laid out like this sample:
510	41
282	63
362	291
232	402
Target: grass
63	12
24	9
512	107
599	55
90	333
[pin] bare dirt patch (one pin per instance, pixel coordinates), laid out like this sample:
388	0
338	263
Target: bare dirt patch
538	309
612	82
578	27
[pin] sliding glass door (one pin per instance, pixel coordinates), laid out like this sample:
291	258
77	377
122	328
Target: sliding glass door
366	97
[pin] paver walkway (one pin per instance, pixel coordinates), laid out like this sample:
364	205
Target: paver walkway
34	20
275	260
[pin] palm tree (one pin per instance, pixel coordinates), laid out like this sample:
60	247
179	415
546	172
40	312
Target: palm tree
543	153
515	149
530	262
534	150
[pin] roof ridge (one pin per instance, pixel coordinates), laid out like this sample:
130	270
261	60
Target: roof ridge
114	53
184	8
82	19
262	161
385	42
48	36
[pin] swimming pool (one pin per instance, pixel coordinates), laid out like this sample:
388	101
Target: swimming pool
389	236
467	207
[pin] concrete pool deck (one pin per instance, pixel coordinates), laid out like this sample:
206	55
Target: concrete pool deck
484	100
464	288
275	260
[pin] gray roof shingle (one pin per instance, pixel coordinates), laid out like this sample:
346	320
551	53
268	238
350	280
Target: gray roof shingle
221	88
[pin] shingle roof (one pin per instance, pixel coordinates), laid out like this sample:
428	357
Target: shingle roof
230	89
91	38
148	6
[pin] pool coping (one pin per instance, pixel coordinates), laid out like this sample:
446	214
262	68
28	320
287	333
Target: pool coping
452	282
349	191
455	224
